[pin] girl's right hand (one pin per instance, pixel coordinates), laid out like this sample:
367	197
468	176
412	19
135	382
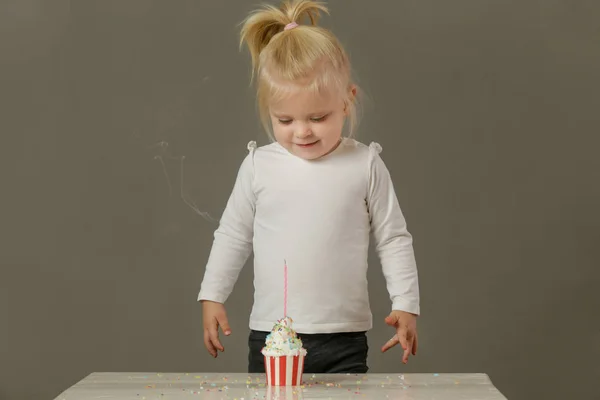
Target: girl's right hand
213	316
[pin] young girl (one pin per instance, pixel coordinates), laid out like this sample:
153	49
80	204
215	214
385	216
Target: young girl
312	197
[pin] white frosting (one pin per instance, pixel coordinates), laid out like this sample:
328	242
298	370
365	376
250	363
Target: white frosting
283	341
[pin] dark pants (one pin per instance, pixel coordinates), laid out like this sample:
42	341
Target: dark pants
327	353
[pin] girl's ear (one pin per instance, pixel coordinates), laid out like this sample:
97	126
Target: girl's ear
351	98
353	92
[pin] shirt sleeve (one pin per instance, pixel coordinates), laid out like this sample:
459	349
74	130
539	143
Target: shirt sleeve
232	242
393	242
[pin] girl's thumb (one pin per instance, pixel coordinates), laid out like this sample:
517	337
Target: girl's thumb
224	324
391	320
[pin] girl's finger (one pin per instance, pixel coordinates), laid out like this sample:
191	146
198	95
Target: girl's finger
390	343
415	345
208	344
402	337
407	350
213	335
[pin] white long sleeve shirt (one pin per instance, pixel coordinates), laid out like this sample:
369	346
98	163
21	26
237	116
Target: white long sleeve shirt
317	215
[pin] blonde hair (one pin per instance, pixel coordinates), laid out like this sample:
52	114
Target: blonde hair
305	57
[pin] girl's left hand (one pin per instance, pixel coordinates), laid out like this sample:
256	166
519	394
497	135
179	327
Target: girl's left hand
406	333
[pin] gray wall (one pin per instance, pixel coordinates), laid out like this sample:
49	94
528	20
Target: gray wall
488	115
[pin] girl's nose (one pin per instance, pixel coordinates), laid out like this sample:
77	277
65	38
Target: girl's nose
303	131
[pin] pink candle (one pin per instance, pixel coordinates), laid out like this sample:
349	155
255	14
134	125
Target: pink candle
285	285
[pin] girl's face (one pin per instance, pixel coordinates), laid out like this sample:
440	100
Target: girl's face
309	125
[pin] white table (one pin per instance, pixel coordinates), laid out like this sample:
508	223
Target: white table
169	386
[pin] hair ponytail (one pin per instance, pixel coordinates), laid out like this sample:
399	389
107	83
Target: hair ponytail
263	24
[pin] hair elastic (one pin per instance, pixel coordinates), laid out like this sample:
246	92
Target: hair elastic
291	25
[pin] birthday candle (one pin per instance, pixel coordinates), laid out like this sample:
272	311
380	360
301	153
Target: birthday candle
285	284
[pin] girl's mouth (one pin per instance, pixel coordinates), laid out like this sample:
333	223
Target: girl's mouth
307	145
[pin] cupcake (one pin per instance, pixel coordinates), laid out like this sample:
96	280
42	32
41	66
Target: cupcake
284	355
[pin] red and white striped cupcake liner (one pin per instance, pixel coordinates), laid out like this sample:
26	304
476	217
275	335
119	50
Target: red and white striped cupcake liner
284	370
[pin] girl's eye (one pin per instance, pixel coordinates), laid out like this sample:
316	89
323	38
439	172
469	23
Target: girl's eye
289	121
320	119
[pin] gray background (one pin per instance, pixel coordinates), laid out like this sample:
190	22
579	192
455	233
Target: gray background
488	113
